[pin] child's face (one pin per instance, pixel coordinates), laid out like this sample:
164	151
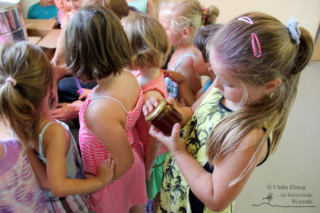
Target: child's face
62	5
200	66
74	5
47	3
173	36
232	88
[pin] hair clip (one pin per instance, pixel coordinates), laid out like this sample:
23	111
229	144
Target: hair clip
203	9
245	19
294	30
14	82
256	53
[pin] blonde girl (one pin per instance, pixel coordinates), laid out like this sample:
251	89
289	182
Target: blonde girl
97	49
25	103
182	19
257	62
151	46
200	64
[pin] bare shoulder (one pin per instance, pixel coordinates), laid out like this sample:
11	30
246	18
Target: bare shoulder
186	63
54	131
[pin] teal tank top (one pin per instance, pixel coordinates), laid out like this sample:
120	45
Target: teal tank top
141	5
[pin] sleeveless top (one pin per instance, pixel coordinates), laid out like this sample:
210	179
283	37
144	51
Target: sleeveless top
172	87
207	85
141	5
128	190
74	165
175	193
19	189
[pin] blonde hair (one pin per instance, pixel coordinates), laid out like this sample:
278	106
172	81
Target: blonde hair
119	7
281	58
21	105
148	40
188	13
96	45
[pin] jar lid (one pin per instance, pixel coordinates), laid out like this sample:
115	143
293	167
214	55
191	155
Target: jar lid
157	110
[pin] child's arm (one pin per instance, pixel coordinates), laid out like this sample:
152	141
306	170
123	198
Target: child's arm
39	170
213	189
184	88
58	58
150	8
107	120
186	69
153	145
54	143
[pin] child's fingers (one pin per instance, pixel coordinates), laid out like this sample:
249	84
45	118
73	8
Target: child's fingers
175	134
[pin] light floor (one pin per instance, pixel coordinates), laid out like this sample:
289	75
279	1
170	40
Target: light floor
294	169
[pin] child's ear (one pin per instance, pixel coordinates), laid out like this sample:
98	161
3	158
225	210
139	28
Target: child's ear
185	32
272	85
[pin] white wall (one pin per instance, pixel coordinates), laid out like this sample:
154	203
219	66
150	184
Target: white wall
307	11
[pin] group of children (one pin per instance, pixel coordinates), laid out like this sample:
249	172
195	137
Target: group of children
229	126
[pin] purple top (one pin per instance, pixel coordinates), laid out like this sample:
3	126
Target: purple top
19	189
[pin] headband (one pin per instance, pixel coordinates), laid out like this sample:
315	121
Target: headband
14	82
294	30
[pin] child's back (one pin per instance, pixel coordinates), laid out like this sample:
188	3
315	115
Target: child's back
19	189
109	114
130	188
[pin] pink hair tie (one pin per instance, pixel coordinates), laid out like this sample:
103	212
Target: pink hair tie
204	16
256	53
11	80
203	8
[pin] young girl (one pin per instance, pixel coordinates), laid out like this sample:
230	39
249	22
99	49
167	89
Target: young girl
181	25
151	46
257	62
63	10
29	90
19	189
200	64
145	6
97	48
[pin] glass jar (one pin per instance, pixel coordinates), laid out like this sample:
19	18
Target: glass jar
164	117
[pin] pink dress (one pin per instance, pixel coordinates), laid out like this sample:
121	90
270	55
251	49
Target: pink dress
130	189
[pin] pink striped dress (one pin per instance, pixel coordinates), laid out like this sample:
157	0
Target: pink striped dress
128	190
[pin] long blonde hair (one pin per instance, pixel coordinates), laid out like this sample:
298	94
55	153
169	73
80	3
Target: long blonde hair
21	104
281	58
188	13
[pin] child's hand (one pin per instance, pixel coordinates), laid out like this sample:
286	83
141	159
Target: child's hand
106	171
91	176
175	76
153	102
182	104
76	105
84	94
173	142
148	174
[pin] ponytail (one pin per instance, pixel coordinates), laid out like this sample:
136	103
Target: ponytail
21	102
209	15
